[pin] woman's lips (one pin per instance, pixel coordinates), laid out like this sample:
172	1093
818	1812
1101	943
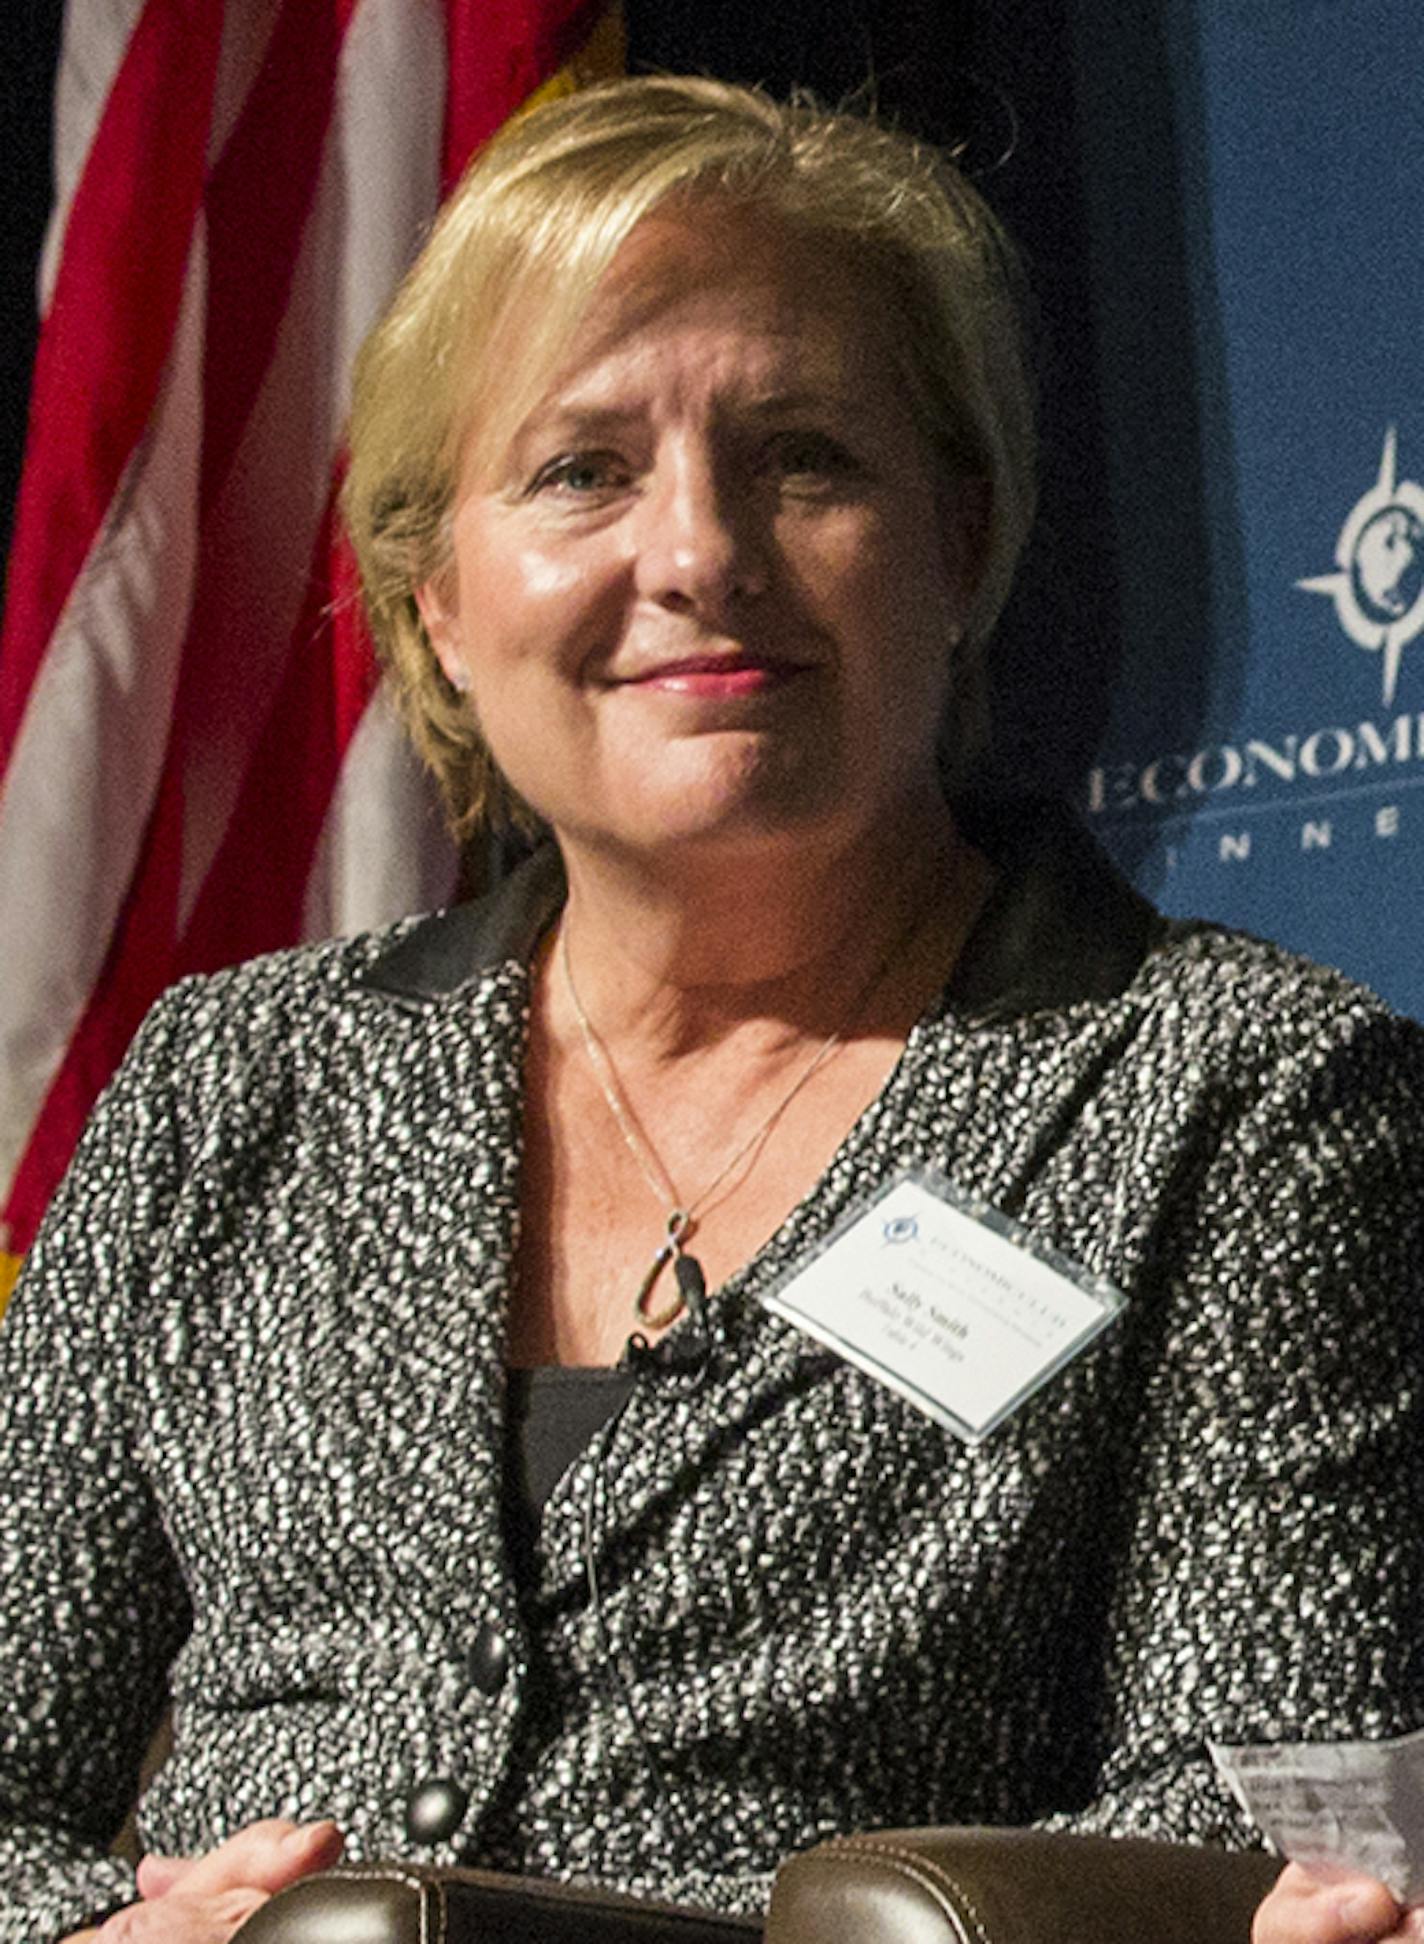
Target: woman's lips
714	676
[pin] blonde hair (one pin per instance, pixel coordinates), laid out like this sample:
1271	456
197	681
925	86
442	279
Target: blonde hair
481	322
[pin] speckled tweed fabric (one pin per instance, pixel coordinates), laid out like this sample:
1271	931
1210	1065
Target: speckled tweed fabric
251	1436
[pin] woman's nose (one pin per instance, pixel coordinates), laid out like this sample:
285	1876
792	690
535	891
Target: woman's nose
700	542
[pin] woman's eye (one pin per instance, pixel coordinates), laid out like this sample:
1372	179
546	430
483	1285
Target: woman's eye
810	456
580	474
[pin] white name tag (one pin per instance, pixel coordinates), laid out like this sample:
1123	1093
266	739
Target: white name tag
946	1301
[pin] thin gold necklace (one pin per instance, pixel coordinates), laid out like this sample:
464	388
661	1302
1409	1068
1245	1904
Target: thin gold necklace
680	1217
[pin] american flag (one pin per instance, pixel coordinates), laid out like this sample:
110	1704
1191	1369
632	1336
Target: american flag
196	760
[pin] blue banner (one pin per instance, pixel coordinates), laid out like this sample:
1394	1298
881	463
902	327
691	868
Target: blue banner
1263	761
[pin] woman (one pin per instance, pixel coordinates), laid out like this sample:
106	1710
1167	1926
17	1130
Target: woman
394	1367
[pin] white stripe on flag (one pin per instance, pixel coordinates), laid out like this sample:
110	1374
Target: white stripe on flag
383	849
391	103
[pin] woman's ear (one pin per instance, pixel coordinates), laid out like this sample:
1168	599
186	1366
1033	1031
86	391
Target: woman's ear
436	605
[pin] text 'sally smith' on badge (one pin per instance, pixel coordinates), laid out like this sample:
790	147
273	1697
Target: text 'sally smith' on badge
946	1301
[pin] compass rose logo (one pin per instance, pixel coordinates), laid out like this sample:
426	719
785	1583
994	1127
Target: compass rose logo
1379	588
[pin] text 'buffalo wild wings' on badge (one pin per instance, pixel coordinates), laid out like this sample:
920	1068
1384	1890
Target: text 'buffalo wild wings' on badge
946	1301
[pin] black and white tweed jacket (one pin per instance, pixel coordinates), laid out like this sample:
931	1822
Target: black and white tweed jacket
250	1420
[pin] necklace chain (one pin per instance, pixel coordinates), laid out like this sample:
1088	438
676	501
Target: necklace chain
650	1163
681	1215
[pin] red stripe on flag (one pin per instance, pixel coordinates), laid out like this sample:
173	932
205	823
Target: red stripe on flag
252	897
500	51
105	339
258	199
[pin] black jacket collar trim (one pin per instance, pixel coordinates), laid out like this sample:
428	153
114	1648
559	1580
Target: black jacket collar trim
1061	926
449	948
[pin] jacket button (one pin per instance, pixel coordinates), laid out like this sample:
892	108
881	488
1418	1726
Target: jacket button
489	1660
435	1810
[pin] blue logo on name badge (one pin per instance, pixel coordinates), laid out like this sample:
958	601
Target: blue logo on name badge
902	1228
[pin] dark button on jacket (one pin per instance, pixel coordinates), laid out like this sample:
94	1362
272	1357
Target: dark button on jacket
489	1660
435	1811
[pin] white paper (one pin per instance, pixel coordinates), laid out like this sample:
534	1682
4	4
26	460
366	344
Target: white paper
1355	1805
946	1301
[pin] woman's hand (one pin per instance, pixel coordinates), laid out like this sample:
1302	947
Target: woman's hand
203	1899
1307	1907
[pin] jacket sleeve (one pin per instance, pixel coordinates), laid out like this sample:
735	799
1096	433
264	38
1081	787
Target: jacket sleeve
1270	1571
92	1607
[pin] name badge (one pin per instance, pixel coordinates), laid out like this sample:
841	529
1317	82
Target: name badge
946	1301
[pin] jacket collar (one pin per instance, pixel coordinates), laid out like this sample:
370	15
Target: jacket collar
1061	926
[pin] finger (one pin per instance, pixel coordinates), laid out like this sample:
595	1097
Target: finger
1308	1909
157	1873
182	1919
265	1856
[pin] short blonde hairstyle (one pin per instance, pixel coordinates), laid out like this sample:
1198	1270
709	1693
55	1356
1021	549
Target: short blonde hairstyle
480	325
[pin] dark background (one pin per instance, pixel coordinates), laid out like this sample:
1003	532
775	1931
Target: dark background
26	123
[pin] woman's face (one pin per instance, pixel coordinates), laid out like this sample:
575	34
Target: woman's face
709	594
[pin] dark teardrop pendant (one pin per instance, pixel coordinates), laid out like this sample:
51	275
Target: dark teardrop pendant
691	1283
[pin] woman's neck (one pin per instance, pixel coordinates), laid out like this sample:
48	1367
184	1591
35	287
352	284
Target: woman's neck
672	960
704	1047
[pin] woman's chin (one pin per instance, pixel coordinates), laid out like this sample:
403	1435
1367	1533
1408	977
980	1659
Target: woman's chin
723	791
692	825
